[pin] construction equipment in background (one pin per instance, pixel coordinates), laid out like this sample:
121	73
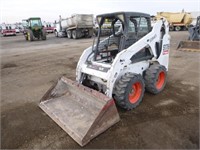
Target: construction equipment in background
177	21
194	33
77	26
8	29
116	69
60	31
34	29
193	43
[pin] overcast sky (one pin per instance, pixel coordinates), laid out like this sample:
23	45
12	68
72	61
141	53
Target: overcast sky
49	10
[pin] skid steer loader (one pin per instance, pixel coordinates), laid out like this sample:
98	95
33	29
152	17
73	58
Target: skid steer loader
115	70
193	43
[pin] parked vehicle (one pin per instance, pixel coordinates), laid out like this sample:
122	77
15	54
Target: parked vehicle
192	44
8	29
177	21
49	27
76	26
17	30
59	30
194	31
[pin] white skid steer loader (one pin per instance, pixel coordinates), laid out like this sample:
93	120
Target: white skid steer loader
116	69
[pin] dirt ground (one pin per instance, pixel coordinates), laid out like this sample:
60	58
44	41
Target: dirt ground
28	69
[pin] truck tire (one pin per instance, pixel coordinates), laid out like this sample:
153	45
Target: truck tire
177	28
69	34
56	33
30	35
90	33
74	34
44	35
129	91
171	28
155	78
185	28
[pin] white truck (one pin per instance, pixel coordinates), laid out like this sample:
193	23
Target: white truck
76	26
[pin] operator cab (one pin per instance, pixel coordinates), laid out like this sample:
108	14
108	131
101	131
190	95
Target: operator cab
117	31
32	23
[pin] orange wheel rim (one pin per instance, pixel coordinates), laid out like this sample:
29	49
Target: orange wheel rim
161	80
135	92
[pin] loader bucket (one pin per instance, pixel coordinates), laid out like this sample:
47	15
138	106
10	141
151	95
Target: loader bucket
192	46
80	111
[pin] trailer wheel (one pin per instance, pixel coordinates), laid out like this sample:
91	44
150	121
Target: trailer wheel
155	78
177	28
129	91
69	34
74	34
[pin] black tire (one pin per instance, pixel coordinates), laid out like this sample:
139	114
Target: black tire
74	34
171	28
185	28
124	96
177	28
155	78
44	35
30	35
69	34
56	33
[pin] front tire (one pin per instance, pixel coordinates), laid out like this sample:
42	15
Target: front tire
129	91
155	78
30	35
56	33
69	34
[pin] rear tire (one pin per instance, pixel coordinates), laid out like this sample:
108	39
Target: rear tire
171	28
129	91
155	78
74	34
44	36
69	34
177	28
